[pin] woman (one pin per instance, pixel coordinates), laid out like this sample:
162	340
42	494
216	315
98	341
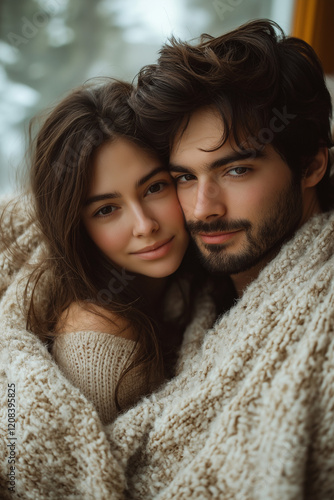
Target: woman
114	234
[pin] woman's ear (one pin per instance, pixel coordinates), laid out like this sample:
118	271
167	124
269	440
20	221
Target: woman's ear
316	169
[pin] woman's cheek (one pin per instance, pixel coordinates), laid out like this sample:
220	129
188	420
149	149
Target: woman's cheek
175	208
110	239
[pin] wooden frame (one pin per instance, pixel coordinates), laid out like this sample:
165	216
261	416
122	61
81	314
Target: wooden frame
314	23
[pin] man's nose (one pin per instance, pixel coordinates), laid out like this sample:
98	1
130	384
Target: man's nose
209	201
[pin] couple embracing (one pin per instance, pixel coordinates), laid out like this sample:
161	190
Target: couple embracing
167	282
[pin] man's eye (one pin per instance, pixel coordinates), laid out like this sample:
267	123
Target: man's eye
104	211
156	188
184	178
238	171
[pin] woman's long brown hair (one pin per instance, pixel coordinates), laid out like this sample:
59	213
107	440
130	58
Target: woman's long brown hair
77	271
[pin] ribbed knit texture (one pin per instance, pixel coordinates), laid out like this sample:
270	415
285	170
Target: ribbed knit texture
249	416
93	362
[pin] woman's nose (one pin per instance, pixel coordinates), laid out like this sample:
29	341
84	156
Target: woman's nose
144	223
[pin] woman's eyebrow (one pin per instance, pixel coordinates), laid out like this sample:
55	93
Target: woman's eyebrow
148	176
117	194
99	197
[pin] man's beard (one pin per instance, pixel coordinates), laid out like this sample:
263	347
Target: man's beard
276	227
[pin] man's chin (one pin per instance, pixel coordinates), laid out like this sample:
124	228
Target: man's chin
228	263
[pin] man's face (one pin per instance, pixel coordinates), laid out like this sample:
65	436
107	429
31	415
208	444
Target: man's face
239	205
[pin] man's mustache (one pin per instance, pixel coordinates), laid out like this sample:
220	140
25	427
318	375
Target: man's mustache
217	226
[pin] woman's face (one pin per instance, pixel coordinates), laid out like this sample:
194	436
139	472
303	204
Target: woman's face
132	211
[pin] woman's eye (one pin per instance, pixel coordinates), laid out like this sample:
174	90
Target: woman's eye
104	211
156	188
238	171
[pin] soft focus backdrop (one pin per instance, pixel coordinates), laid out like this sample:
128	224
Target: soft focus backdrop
49	46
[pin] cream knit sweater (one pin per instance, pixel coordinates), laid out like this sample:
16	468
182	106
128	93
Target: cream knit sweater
93	362
250	414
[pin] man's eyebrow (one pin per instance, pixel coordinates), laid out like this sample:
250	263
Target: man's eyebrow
178	168
117	194
220	162
237	156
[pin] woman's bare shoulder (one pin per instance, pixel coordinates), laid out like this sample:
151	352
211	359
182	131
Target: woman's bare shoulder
86	316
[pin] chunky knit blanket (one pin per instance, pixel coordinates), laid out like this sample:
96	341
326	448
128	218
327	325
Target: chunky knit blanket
250	414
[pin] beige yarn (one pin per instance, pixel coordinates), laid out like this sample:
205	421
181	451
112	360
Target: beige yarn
249	416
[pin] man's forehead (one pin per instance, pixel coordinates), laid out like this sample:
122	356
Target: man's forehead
203	130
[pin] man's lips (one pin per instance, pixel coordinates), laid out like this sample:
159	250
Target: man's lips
155	251
218	237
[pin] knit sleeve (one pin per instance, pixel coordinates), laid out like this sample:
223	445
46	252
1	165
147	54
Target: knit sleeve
19	237
93	362
15	216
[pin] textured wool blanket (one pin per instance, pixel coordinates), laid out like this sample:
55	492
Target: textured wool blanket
250	414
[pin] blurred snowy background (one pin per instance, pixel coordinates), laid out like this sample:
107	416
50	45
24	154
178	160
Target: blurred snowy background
48	47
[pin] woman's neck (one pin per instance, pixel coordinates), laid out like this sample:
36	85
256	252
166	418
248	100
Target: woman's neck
152	289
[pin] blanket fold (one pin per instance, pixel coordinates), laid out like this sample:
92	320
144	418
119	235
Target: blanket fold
249	415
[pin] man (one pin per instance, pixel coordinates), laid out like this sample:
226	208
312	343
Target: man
248	118
249	415
239	206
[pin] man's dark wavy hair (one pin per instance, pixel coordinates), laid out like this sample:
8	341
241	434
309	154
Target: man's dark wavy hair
267	88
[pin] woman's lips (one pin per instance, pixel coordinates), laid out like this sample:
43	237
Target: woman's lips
216	238
156	251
